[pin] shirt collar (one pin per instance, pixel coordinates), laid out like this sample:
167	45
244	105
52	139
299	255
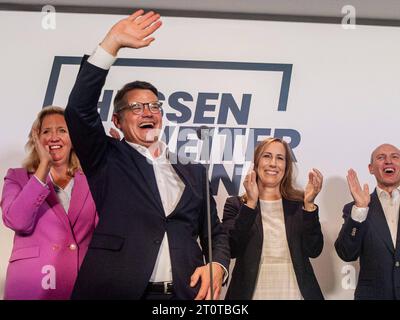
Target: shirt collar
146	152
385	195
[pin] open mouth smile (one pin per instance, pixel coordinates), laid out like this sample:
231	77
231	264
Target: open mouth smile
147	125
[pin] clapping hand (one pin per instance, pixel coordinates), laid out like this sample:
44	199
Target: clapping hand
312	189
250	184
360	195
45	159
42	151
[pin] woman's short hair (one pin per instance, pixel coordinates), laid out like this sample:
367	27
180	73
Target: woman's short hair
31	162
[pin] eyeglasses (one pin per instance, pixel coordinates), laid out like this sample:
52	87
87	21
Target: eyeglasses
138	107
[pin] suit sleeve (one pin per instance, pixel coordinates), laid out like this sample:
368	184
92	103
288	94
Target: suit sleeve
238	220
220	243
349	242
20	203
313	240
83	120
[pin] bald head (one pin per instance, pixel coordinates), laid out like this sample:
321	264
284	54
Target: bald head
385	166
382	148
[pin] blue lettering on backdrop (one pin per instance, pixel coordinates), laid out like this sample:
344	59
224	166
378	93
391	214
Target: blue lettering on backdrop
203	108
183	113
241	114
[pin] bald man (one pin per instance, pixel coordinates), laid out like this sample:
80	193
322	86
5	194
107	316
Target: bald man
370	228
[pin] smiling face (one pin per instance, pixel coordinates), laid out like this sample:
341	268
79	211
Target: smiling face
141	129
271	165
54	134
385	166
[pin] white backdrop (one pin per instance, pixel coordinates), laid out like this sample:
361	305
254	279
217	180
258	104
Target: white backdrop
343	97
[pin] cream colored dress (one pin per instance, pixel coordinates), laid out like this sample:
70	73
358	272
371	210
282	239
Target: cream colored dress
276	278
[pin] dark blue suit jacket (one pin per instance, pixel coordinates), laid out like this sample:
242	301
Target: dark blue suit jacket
304	236
371	242
132	223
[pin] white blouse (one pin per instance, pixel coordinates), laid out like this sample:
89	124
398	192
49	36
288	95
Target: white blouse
64	195
276	277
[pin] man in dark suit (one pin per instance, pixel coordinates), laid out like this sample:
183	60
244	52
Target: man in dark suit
370	229
152	210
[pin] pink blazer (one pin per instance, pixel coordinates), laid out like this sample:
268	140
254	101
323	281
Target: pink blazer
49	244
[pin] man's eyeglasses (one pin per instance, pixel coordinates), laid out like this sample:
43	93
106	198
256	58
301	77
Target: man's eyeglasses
138	107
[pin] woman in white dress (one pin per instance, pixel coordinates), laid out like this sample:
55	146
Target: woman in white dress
274	229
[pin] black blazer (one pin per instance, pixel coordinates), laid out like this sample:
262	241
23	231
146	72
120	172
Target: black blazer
370	241
132	222
244	225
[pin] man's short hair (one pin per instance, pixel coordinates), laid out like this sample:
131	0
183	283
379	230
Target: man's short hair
119	100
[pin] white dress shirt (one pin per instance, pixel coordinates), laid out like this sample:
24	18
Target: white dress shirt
391	207
101	58
171	188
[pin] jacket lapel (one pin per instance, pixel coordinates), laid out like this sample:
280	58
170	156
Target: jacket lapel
80	192
55	205
398	236
186	194
378	221
258	221
147	172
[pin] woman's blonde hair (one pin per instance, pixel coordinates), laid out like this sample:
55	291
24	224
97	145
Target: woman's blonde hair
32	161
286	187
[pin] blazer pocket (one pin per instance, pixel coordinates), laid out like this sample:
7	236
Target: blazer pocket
25	253
106	241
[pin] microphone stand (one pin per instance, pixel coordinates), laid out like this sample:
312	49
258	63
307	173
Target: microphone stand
203	134
210	259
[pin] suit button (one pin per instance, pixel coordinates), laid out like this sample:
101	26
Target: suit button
157	241
72	247
397	264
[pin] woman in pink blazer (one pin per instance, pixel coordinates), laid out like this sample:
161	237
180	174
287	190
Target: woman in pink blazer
48	205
